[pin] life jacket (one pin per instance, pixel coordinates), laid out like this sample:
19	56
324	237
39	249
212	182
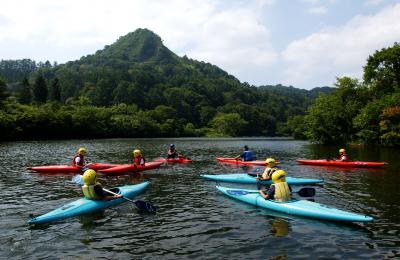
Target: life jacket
248	156
139	160
282	192
89	192
81	162
344	157
268	172
172	154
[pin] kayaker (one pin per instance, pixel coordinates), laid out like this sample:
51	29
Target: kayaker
280	190
138	159
79	158
269	170
172	152
343	156
247	155
92	189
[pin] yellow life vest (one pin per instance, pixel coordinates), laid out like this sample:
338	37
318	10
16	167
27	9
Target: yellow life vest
268	172
282	192
88	191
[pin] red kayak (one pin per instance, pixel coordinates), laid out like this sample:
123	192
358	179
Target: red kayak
174	160
238	161
121	168
70	168
342	164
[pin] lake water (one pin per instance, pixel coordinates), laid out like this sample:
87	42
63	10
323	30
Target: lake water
193	219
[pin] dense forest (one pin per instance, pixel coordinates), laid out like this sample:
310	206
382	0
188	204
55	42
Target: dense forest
137	87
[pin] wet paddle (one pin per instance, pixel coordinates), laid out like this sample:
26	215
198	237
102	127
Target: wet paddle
303	192
140	204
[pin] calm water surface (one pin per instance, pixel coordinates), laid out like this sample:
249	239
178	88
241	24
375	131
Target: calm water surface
193	219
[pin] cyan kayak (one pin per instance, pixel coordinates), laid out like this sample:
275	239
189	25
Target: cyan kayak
247	179
303	208
84	206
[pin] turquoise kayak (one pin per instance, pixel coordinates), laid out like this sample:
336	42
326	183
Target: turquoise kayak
248	179
303	208
84	206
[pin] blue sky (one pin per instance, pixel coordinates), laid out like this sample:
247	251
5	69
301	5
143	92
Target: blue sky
303	43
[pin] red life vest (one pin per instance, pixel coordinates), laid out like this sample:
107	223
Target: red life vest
344	157
139	160
81	162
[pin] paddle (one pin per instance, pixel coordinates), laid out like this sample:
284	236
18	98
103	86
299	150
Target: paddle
140	204
254	172
303	192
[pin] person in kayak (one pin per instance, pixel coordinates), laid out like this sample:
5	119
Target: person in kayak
269	170
172	152
138	159
343	156
79	158
247	155
92	189
280	190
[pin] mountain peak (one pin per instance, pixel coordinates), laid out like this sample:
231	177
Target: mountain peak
142	45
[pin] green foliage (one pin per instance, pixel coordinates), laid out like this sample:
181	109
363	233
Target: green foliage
25	94
16	70
330	117
3	90
228	124
40	90
55	93
298	127
383	71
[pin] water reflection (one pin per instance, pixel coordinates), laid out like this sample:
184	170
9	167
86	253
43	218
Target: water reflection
279	227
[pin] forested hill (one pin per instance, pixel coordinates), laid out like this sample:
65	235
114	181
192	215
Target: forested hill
191	97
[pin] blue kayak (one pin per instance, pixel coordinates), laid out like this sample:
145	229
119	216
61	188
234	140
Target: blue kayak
303	208
247	179
84	206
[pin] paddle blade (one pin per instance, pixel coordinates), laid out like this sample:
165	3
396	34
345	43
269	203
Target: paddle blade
307	192
237	192
145	206
78	179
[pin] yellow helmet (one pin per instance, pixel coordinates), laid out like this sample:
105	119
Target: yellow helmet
137	153
270	161
82	151
279	176
342	150
89	177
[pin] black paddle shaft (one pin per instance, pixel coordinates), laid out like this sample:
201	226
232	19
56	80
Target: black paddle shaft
140	204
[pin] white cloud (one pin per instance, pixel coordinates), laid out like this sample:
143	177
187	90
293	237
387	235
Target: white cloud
319	58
